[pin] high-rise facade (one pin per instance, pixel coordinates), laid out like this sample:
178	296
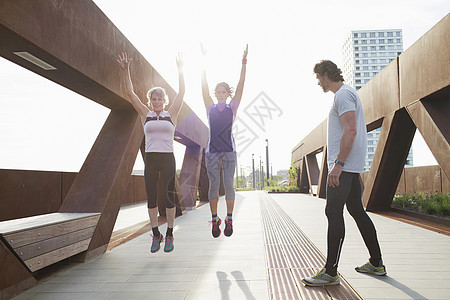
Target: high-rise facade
366	53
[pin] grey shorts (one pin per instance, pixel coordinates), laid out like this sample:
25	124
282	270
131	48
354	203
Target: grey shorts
228	162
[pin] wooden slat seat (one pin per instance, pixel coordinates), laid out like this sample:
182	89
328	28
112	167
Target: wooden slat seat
40	241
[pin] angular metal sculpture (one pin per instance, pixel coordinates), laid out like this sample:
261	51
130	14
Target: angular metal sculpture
412	92
74	44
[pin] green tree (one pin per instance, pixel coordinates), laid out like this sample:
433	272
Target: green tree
293	175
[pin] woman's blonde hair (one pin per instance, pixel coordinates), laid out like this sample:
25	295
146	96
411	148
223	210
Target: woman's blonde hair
160	92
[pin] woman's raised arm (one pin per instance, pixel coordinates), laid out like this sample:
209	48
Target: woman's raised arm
140	107
175	108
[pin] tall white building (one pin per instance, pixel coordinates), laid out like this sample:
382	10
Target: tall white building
365	53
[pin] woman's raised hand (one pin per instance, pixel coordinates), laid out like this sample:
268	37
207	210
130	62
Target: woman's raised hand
180	61
123	61
244	56
203	50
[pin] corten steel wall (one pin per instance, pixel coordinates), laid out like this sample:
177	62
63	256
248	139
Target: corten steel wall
410	93
27	193
82	43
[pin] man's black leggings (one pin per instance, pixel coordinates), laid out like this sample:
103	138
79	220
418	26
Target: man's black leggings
157	163
348	192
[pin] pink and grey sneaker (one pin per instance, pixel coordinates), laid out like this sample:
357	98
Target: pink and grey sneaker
228	227
155	243
215	227
169	244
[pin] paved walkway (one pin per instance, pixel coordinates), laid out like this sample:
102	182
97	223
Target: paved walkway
201	267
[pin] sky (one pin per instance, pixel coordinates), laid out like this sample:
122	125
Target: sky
44	126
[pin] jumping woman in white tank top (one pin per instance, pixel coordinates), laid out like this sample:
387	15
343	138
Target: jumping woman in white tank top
159	129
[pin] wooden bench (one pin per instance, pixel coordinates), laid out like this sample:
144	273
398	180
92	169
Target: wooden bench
42	240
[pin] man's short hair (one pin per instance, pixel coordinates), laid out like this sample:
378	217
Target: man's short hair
329	67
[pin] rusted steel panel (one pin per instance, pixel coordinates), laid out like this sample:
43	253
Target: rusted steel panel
425	66
28	193
380	96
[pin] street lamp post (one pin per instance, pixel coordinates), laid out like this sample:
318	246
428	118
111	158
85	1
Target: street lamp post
260	170
253	170
267	161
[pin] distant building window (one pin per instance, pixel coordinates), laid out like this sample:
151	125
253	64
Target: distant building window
356	48
369	142
373	48
390	33
398	53
373	54
366	74
363	42
365	67
369	149
373	61
382	60
373	41
364	48
391	53
365	55
374	67
380	34
363	35
381	41
370	156
357	55
355	35
390	41
382	47
365	61
374	73
358	81
355	42
372	34
366	80
399	47
398	40
398	33
357	74
357	61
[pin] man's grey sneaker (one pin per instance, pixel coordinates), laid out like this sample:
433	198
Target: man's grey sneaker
371	269
321	279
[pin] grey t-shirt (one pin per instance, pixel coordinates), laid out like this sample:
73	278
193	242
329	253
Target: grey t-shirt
346	99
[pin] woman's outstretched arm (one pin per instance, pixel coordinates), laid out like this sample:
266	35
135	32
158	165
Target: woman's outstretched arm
240	87
175	108
205	89
140	107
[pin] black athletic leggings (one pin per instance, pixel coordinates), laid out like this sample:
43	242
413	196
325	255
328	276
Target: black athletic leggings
348	192
157	163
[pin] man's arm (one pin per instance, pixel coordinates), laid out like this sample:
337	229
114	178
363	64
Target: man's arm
348	122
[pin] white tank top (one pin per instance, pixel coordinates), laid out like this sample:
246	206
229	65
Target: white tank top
159	132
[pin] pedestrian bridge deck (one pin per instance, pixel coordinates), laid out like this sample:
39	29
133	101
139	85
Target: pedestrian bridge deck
243	266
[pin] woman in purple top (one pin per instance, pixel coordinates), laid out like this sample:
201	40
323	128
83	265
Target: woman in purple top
221	149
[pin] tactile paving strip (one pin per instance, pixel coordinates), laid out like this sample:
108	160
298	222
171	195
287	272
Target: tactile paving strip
291	256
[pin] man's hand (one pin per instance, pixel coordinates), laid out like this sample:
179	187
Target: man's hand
333	176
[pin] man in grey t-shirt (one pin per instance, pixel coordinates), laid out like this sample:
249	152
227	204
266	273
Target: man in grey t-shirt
346	148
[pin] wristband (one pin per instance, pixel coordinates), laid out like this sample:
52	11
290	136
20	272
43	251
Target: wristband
244	61
339	163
